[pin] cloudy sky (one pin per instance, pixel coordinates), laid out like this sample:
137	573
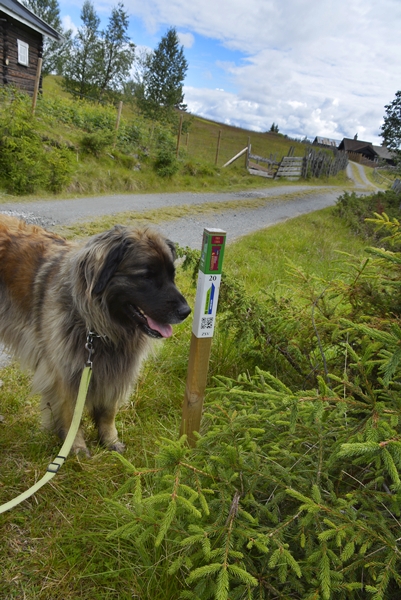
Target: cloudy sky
314	67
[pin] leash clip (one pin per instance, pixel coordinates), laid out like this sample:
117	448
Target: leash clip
89	347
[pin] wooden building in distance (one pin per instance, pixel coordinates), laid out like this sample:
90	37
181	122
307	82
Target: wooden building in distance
325	142
21	44
365	152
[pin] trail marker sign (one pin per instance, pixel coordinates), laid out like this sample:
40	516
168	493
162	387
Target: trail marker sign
207	296
209	278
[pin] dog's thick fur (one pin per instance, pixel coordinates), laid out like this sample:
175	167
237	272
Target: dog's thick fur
119	284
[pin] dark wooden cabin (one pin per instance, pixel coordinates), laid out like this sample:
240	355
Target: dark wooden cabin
366	152
21	44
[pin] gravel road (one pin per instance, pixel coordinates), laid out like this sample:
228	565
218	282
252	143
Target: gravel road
186	231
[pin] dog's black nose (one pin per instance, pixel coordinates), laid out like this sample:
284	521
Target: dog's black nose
184	311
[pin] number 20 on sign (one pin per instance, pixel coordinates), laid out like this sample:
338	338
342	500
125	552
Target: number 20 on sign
209	278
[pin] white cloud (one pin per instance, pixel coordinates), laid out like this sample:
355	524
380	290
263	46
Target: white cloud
186	39
315	68
67	24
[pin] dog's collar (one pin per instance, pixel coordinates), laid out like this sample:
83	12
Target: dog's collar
92	334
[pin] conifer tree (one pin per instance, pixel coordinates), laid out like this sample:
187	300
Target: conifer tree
164	77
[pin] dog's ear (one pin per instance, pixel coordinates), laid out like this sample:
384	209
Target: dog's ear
113	260
173	249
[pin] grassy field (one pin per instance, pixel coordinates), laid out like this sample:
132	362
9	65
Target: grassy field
201	142
129	167
55	546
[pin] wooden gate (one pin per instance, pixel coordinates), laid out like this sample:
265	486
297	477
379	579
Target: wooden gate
290	167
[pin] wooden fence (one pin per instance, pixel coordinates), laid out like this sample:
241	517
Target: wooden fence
313	164
323	164
397	186
291	167
258	165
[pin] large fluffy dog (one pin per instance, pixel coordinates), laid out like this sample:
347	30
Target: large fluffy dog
119	285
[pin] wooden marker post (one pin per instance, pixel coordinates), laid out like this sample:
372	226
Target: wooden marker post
207	295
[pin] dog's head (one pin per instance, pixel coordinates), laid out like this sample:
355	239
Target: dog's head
130	273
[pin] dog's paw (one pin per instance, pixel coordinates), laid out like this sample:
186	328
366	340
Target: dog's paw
117	447
80	451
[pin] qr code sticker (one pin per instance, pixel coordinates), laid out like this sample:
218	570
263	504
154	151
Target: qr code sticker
207	323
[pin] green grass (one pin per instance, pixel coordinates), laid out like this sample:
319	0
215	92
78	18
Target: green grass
113	170
49	545
313	243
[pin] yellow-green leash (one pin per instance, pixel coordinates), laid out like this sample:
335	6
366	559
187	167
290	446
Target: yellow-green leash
54	466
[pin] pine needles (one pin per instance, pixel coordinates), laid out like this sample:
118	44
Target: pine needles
292	491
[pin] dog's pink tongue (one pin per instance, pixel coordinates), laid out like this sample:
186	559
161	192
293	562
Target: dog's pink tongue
165	330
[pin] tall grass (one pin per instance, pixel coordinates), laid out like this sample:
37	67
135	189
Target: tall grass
314	243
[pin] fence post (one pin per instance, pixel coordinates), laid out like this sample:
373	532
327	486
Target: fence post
207	295
248	153
179	136
119	110
120	107
218	147
36	87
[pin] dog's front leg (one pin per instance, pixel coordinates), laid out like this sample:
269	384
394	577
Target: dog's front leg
104	419
57	415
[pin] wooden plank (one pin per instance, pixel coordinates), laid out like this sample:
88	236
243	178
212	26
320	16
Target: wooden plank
253	165
261	159
260	173
235	157
290	168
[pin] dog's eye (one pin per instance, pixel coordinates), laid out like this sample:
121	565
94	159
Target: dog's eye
148	274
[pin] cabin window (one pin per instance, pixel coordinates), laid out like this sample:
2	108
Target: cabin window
23	53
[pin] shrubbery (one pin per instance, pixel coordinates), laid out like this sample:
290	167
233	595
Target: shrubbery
355	210
37	154
95	143
293	489
80	113
26	163
165	164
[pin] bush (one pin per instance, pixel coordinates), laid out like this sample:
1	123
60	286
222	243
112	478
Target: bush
166	163
26	165
356	209
96	143
289	493
60	169
81	114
